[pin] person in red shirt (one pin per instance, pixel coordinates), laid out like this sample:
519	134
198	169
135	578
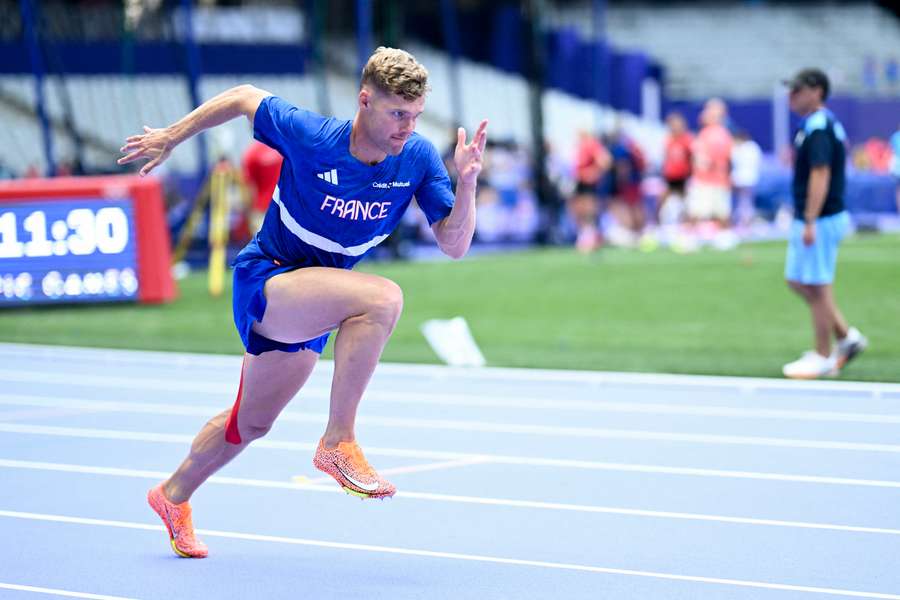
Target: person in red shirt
677	159
261	167
592	161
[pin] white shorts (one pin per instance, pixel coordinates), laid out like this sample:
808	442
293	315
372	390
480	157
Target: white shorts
707	201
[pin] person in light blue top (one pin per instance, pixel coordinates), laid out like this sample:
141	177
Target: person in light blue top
895	163
820	223
344	186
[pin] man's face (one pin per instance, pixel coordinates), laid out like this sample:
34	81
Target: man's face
676	125
804	99
389	119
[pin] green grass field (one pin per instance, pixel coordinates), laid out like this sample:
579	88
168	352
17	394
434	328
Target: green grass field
724	313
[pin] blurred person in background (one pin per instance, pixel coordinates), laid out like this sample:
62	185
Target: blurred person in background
709	193
746	160
820	223
345	186
624	186
676	168
592	162
261	166
895	163
873	155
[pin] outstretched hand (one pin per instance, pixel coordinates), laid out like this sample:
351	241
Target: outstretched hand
153	144
467	157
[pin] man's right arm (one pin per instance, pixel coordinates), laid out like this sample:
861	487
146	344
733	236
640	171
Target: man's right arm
155	145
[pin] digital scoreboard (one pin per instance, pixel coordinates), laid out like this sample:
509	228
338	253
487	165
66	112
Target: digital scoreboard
91	239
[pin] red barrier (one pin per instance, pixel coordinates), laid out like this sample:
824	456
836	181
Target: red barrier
153	245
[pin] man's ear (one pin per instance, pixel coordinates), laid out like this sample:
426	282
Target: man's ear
365	98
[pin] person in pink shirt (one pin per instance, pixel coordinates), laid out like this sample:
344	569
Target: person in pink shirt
709	196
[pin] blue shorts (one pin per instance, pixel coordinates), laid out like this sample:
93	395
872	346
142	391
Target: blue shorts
252	268
815	265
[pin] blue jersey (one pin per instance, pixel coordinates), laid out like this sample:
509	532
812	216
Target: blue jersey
895	150
329	208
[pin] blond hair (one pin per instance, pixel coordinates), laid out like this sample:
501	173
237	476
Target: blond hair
396	72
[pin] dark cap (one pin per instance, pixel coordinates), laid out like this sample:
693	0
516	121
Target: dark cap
813	78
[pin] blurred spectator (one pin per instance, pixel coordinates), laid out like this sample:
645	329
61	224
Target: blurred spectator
261	168
509	169
507	206
746	159
676	168
6	173
895	162
592	162
624	183
872	155
709	196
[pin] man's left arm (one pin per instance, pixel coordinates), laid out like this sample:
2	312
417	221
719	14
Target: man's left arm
820	151
454	232
815	200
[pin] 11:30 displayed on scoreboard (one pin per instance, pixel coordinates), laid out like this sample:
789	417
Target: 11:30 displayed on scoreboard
67	250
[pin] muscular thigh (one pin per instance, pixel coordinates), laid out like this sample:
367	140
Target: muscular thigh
308	302
270	381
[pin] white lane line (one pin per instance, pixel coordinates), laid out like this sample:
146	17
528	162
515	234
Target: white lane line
527	429
55	592
315	485
469	400
140	357
108	380
175	438
40	413
458	556
435	466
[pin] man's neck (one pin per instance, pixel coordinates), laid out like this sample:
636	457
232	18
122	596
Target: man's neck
360	149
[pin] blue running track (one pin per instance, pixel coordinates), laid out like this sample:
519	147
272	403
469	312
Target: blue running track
513	484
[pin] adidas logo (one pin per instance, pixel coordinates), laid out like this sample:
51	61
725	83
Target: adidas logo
329	176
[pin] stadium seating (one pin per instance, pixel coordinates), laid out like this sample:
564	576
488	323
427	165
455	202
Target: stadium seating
742	50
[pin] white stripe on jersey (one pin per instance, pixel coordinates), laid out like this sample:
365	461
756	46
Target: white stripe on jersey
316	240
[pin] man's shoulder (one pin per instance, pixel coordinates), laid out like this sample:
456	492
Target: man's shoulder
417	141
818	121
418	147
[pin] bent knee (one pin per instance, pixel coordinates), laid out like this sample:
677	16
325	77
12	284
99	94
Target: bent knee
253	431
386	302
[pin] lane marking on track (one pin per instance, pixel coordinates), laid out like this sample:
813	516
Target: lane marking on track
315	485
480	401
181	439
459	556
55	592
143	357
601	433
434	466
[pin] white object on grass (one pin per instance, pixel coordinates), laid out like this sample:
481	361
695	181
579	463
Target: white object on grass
452	341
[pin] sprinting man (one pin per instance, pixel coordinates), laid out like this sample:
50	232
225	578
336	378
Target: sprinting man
820	223
343	188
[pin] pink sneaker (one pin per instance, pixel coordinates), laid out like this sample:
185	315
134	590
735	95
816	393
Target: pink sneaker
349	467
177	518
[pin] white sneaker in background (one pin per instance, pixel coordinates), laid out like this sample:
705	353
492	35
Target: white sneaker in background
811	365
849	347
